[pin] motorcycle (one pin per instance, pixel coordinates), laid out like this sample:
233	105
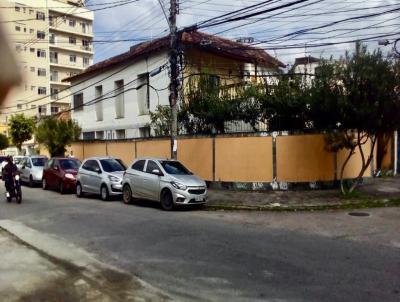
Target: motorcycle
14	189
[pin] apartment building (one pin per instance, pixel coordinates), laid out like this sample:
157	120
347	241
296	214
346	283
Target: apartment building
52	40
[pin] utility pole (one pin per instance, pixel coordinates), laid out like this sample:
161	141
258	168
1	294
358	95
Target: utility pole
173	87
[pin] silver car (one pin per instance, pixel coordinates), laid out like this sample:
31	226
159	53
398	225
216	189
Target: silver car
100	175
31	169
165	181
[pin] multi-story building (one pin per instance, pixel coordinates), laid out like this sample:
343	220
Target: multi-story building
52	40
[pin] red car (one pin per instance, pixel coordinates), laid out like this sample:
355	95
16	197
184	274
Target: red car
60	173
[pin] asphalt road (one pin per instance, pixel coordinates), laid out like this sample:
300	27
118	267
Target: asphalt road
222	256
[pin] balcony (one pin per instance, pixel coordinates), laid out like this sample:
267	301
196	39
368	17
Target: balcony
73	47
65	29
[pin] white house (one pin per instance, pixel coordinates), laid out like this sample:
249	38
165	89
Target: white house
112	99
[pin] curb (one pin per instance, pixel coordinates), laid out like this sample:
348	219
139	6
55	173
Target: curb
72	258
286	208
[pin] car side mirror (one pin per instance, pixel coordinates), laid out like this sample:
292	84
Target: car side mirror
157	172
98	170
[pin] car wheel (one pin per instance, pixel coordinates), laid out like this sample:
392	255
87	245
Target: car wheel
79	192
127	194
44	184
30	181
167	202
61	188
104	193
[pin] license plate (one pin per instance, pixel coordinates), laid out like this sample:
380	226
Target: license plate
198	198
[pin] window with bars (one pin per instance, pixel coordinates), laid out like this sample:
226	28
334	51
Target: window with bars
40	16
41	53
78	102
41	35
119	99
41	72
42	90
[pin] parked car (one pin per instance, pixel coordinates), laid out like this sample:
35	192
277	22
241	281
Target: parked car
166	181
18	160
60	173
32	169
100	175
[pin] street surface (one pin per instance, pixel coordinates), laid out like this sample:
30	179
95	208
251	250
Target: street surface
229	256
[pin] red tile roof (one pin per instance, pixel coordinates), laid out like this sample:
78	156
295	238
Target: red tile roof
193	39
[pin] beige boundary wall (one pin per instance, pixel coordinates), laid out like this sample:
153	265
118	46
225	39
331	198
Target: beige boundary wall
238	158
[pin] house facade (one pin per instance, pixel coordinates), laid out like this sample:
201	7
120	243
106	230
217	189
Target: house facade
113	98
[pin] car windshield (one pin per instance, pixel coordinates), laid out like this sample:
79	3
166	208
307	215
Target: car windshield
67	164
18	160
111	165
38	161
175	168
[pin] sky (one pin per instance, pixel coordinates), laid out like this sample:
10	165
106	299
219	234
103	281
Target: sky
320	28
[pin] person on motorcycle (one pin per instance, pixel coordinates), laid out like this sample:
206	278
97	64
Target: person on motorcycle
9	171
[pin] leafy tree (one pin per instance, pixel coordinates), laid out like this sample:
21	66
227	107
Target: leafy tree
160	120
361	99
21	129
207	106
56	134
4	143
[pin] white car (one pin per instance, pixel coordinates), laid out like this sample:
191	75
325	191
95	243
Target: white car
166	181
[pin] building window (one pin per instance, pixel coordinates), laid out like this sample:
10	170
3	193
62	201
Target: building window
98	93
54	109
86	44
51	20
33	88
31	11
40	16
84	27
86	61
54	76
33	106
41	53
31	49
19	106
24	29
88	135
78	102
17	8
41	72
54	93
53	57
18	48
41	35
41	90
52	38
72	58
32	69
42	110
119	99
143	93
99	134
144	132
17	28
72	40
120	133
72	23
31	31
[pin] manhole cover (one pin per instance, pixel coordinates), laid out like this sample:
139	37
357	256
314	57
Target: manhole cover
359	214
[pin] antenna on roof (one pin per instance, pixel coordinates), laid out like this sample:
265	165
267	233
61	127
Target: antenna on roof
246	40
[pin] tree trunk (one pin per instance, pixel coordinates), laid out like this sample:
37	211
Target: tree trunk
342	188
365	166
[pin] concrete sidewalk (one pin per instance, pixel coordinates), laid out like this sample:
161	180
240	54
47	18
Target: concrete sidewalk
37	267
375	193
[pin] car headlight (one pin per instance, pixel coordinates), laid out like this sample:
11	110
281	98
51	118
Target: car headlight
178	185
69	176
113	178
